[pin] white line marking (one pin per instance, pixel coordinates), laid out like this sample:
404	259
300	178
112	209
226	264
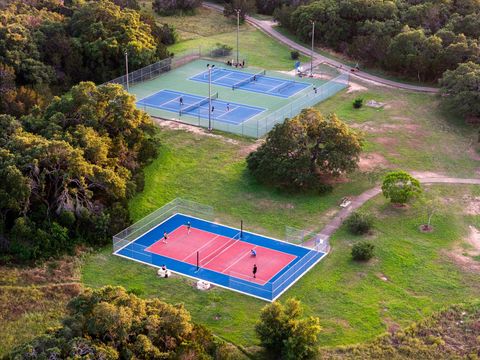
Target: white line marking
200	248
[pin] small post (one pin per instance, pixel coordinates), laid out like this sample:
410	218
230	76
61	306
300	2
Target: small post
198	261
311	55
241	229
238	31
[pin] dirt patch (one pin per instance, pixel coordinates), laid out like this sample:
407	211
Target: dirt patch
473	153
473	239
392	326
471	205
464	262
372	161
354	87
247	149
174	125
464	258
373	128
386	141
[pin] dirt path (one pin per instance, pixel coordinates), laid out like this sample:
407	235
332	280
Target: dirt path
267	27
423	177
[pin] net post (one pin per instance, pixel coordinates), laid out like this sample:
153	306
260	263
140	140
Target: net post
198	261
241	229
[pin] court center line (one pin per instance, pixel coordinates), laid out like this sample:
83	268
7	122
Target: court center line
240	258
198	250
164	103
229	111
221	252
221	77
278	86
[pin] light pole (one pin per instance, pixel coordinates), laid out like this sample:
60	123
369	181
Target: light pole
311	55
238	30
126	69
210	68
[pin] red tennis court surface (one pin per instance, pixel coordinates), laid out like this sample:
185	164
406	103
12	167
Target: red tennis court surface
222	254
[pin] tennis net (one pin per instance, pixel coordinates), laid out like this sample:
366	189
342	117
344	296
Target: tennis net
196	105
249	79
220	250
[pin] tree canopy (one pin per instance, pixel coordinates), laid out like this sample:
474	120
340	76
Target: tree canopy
285	333
304	150
72	166
461	88
418	39
110	323
400	187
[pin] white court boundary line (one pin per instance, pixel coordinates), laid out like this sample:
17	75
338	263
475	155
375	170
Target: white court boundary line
300	275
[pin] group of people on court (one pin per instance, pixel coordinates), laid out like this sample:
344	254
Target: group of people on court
253	252
227	107
233	63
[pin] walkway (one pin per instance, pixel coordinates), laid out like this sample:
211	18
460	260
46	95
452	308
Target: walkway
268	27
358	201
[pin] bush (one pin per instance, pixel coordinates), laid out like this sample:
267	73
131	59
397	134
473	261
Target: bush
172	7
221	50
362	251
359	224
358	103
294	54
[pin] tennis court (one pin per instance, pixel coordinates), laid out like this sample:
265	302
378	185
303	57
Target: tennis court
194	105
256	82
222	255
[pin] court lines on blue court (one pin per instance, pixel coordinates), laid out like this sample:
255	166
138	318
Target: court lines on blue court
262	84
224	111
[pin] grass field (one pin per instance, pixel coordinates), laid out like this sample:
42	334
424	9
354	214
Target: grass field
411	276
207	28
33	299
351	299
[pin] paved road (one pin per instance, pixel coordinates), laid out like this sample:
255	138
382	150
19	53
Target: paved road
268	27
358	201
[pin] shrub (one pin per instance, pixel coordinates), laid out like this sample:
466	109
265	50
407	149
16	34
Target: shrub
221	50
294	54
358	103
359	224
362	251
171	7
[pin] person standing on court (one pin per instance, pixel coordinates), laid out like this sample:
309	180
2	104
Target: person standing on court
181	101
188	227
165	237
254	271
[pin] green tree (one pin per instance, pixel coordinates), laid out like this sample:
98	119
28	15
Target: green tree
302	151
110	323
285	333
461	88
102	32
247	7
400	187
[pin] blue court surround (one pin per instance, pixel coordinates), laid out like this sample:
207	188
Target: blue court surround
305	258
263	84
227	112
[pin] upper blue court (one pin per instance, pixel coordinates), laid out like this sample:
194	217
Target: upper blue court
260	83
